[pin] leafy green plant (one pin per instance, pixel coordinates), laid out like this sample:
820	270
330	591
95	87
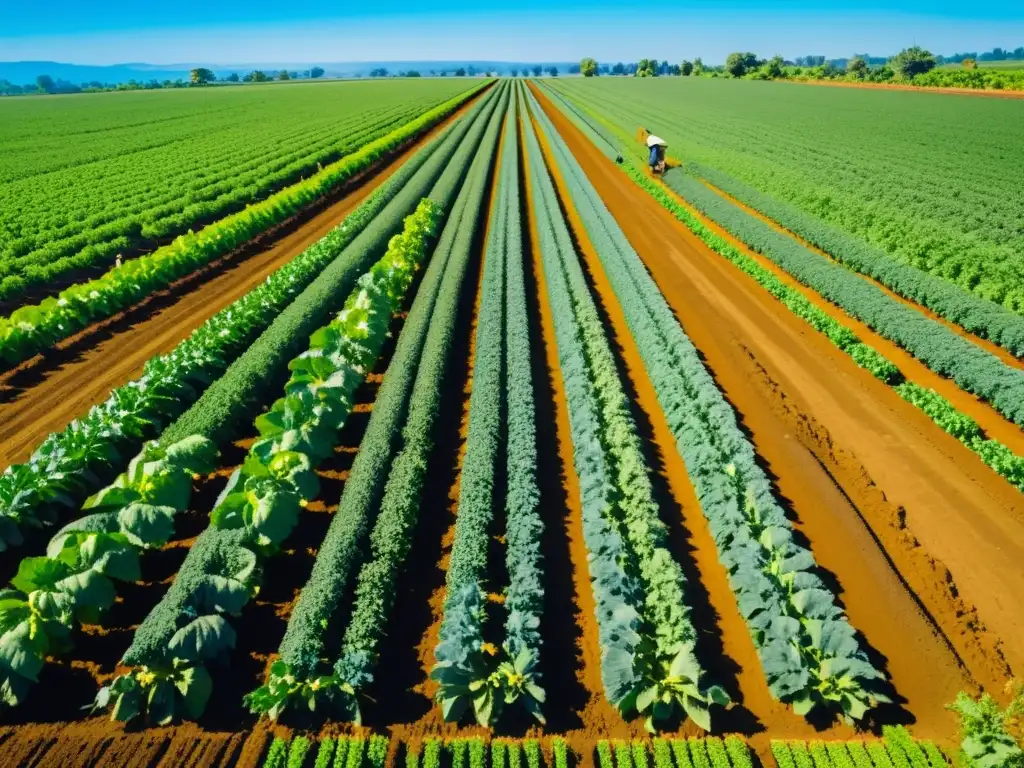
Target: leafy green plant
431	753
560	752
341	754
859	753
879	755
623	755
477	753
682	753
739	752
716	752
498	754
356	751
604	755
699	753
325	753
377	752
801	755
531	748
782	754
277	754
986	739
298	751
820	755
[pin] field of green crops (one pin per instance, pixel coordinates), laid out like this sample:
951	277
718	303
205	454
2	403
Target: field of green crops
923	178
85	178
466	481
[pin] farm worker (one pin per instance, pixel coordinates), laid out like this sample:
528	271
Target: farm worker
656	147
117	261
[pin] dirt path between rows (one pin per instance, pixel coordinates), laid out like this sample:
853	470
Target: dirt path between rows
829	433
47	394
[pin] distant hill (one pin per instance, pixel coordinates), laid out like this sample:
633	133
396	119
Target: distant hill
23	72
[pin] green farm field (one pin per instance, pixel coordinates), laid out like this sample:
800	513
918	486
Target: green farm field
921	177
458	437
84	178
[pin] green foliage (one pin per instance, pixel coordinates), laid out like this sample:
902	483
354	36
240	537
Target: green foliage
277	754
588	67
393	533
457	749
325	753
498	753
904	750
470	675
259	507
32	329
647	638
356	750
801	755
698	753
623	755
739	752
860	756
946	209
515	755
477	753
739	64
839	755
604	755
808	649
986	741
782	754
716	752
911	62
972	313
341	755
431	753
298	751
820	755
377	752
996	455
640	759
70	464
74	582
560	752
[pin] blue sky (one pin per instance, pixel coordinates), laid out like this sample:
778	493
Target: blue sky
117	31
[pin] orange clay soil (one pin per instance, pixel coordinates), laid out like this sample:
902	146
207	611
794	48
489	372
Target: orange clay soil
924	669
919	88
46	393
806	405
994	349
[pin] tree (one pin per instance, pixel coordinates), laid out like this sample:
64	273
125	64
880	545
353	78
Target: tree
413	73
472	71
588	67
232	78
553	71
969	64
738	64
44	84
259	76
201	76
698	66
686	68
316	72
619	69
773	68
514	72
537	69
857	67
911	62
283	75
647	68
379	72
460	72
664	68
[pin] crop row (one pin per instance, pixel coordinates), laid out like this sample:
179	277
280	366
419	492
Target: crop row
75	462
168	176
33	329
971	312
897	749
476	675
942	350
648	660
322	657
992	452
809	653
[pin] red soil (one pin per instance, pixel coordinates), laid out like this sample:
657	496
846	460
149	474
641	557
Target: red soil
800	398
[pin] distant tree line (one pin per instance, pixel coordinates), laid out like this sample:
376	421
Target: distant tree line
198	77
911	65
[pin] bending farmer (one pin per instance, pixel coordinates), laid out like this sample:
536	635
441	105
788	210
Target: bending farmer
656	147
